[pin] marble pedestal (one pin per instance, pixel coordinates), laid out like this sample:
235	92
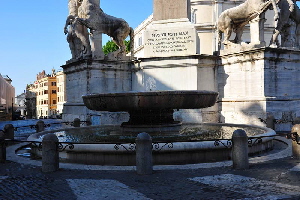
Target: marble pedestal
258	82
95	76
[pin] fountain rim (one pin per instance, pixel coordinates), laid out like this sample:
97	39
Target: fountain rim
152	93
268	131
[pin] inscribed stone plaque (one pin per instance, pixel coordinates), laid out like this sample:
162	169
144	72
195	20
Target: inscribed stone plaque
171	9
170	42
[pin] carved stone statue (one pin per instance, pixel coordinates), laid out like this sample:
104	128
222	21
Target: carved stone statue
77	34
287	11
235	19
93	17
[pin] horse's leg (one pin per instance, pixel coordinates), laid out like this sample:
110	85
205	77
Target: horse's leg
227	26
239	33
119	37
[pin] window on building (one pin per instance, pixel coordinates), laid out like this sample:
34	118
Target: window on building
58	99
46	84
45	91
54	101
53	91
58	89
53	83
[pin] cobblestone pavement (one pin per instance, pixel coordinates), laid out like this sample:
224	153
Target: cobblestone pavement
266	179
272	176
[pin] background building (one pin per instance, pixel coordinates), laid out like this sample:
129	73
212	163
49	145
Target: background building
7	98
48	94
30	102
20	103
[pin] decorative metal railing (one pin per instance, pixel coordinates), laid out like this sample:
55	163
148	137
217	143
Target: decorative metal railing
156	145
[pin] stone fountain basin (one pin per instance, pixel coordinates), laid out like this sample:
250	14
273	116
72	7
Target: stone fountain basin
182	152
157	100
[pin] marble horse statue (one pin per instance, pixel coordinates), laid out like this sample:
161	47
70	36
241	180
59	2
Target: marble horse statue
93	17
236	18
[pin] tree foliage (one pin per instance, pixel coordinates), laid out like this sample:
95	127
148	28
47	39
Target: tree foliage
110	46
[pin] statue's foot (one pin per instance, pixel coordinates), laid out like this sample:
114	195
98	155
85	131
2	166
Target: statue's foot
273	45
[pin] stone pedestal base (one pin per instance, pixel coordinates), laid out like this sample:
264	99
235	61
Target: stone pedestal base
258	82
95	76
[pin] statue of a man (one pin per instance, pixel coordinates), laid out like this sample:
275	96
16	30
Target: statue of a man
77	34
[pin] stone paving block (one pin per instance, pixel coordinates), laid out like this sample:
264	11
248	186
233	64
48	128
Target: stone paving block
251	187
90	189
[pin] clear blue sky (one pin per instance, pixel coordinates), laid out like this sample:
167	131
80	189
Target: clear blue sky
32	38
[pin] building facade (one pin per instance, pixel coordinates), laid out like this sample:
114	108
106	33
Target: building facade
21	105
7	98
49	90
46	94
30	103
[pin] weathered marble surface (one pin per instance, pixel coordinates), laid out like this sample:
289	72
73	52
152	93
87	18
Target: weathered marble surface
234	19
93	17
77	34
171	9
87	15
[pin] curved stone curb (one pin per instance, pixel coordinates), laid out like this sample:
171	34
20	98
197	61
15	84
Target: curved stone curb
11	156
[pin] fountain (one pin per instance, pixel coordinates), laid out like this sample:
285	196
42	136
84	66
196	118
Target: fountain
152	108
173	142
107	83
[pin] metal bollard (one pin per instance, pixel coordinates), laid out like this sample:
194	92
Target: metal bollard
295	145
240	149
2	149
144	163
76	122
50	154
40	126
9	131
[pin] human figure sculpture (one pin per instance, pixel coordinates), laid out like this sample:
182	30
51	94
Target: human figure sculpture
287	11
77	34
93	17
236	18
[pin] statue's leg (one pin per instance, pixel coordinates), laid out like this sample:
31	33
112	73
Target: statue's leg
239	33
282	21
83	35
227	34
274	39
120	35
72	46
228	29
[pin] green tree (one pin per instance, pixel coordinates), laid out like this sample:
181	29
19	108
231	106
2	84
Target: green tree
110	46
